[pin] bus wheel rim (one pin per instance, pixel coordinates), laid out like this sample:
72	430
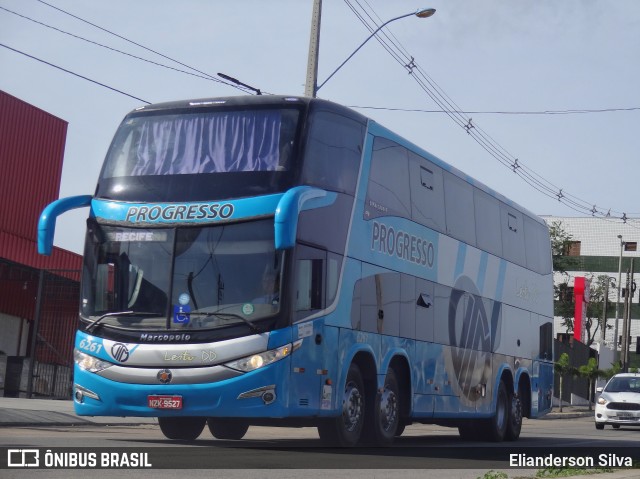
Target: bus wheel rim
351	407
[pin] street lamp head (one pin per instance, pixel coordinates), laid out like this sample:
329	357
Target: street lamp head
421	13
425	12
619	236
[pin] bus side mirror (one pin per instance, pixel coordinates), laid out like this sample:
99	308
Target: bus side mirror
47	222
289	207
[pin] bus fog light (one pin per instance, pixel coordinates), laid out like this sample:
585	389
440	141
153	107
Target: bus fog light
268	397
79	394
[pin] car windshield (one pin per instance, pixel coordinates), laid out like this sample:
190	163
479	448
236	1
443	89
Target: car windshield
194	278
623	384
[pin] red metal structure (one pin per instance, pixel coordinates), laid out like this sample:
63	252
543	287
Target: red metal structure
36	292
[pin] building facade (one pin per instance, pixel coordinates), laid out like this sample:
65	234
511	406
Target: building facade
601	249
38	295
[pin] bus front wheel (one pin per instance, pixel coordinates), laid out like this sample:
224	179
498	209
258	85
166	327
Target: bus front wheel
223	428
182	428
346	429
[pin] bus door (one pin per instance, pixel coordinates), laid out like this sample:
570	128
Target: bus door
314	286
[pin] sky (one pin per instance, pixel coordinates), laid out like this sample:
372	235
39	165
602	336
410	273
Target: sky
520	58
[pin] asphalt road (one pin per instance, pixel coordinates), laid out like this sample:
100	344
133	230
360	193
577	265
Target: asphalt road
423	451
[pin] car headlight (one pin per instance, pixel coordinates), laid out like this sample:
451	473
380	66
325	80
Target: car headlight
602	401
90	363
260	360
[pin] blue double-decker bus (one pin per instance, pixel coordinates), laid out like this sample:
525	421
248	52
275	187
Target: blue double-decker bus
267	260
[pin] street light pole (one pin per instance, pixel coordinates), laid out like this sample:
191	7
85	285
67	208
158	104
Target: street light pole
615	328
422	13
603	330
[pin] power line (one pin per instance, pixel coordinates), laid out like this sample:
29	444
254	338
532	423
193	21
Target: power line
73	73
458	116
107	47
206	76
212	77
503	112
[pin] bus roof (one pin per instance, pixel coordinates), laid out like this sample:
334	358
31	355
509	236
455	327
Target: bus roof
278	100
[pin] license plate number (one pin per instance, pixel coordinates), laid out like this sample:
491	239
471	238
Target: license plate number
164	402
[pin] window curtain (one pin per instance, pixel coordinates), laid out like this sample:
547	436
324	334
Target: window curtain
209	143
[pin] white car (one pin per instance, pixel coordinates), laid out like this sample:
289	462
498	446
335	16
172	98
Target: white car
619	402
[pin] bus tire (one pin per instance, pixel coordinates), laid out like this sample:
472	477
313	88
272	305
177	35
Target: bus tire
514	424
223	428
182	428
496	427
387	410
346	429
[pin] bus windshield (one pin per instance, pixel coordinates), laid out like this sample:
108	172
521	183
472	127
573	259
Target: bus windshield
196	278
224	141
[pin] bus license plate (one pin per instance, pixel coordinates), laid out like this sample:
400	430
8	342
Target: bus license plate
164	402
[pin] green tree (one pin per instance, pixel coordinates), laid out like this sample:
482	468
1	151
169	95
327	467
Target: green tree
562	367
591	372
613	370
560	240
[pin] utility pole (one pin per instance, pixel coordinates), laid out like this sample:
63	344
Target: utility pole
615	326
603	326
626	324
624	346
314	49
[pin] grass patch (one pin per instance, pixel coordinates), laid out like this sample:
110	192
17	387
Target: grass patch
551	472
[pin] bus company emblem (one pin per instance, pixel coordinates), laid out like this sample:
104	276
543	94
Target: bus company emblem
120	352
164	338
179	212
164	376
470	335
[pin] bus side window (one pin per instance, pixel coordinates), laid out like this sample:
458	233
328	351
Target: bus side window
512	235
459	208
427	195
487	213
333	151
387	191
309	293
546	341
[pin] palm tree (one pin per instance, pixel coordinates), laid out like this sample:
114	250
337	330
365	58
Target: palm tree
562	367
591	372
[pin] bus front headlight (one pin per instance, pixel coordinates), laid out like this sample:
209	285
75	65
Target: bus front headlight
260	360
90	363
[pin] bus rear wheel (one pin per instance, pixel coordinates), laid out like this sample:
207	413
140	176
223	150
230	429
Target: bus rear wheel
182	428
223	428
346	429
496	427
387	410
514	425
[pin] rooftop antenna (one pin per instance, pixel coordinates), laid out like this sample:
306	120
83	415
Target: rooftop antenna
238	82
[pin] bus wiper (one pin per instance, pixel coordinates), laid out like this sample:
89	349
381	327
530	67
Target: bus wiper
221	315
118	313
